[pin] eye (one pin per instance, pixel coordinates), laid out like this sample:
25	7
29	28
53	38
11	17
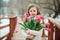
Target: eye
31	11
34	10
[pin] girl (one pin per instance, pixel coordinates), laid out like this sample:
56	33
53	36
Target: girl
33	10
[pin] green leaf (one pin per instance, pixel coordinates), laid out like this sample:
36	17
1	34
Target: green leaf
26	24
22	25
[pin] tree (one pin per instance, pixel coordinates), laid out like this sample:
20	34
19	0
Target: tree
56	10
55	4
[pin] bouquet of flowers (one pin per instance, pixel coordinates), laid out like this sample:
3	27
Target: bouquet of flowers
33	23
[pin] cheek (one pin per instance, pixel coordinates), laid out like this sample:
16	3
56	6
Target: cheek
30	13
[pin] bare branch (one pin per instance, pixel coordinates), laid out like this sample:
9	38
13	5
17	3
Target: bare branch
50	9
49	4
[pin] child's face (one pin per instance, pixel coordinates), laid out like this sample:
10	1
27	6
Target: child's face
33	11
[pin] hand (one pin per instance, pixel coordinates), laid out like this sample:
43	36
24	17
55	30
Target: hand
28	31
30	36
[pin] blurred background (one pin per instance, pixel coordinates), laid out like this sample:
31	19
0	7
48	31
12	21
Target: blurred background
48	8
19	7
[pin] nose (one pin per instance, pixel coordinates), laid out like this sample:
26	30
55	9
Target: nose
32	12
